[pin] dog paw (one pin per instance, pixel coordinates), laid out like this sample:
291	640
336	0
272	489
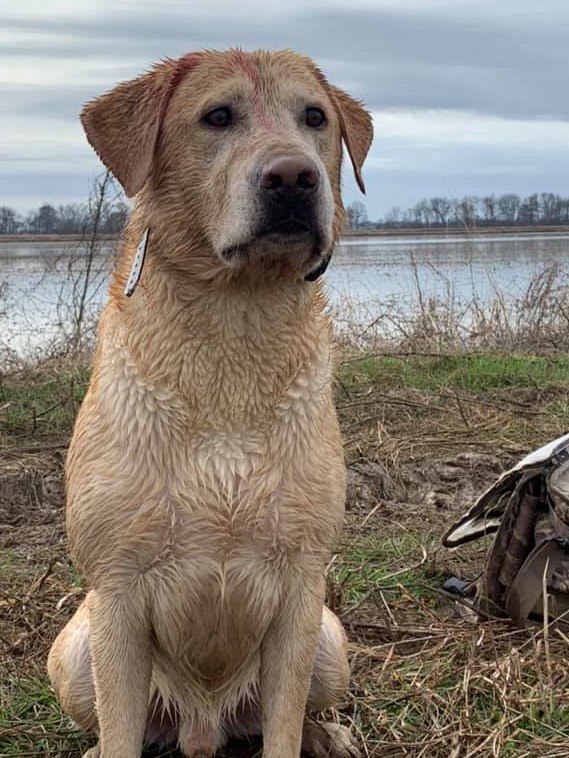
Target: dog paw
328	740
93	752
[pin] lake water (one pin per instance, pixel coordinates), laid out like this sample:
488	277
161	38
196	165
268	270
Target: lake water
368	276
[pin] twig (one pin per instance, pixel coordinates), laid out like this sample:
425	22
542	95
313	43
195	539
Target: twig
46	447
37	585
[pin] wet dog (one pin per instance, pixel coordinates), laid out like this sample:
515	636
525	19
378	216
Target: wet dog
205	479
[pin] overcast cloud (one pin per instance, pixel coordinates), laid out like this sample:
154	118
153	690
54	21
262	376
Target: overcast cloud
468	96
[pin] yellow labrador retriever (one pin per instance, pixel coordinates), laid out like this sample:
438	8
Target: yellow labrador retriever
205	479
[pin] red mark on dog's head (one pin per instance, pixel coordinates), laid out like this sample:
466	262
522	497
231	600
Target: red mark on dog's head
247	66
180	68
183	65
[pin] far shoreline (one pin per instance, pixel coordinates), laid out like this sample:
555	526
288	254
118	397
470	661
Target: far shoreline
348	234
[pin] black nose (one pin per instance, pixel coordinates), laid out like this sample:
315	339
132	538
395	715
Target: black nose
290	176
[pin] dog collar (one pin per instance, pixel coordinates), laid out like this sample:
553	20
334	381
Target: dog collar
317	272
138	263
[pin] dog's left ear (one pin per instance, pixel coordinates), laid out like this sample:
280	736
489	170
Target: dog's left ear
356	127
124	124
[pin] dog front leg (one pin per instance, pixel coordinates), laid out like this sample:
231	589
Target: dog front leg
122	663
287	660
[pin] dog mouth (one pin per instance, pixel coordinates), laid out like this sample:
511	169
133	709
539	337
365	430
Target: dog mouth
296	242
290	237
287	231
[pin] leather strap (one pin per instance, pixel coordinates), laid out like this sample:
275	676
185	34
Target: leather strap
317	272
527	587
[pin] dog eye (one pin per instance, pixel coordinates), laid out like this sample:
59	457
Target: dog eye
219	117
314	117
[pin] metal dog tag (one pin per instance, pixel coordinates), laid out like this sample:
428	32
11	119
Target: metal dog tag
137	265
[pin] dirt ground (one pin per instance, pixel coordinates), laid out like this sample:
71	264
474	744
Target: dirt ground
428	679
39	589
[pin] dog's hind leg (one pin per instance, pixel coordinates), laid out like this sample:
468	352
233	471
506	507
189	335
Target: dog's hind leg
99	641
331	672
69	669
330	680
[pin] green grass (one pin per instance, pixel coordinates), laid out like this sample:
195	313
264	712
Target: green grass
422	674
44	402
32	722
28	562
10	563
469	372
374	563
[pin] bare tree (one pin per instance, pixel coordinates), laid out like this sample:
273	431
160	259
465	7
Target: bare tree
465	212
528	212
72	218
88	267
115	216
549	207
489	206
508	206
509	209
45	221
423	212
563	206
357	214
394	216
416	214
440	209
9	223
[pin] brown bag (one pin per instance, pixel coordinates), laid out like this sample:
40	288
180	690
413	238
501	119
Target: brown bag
528	509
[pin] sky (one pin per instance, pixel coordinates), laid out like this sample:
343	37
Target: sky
467	96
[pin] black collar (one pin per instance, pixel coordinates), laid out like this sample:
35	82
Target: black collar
317	272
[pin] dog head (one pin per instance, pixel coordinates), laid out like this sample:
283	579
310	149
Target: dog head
240	151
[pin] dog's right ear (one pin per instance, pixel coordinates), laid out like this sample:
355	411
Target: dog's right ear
123	125
357	129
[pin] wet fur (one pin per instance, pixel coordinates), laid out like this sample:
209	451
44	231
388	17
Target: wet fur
205	479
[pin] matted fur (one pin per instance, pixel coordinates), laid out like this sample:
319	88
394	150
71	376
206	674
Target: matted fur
205	479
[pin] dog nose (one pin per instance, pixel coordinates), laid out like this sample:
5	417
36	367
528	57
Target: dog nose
290	176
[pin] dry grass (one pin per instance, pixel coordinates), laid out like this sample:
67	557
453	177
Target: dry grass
536	322
428	679
423	436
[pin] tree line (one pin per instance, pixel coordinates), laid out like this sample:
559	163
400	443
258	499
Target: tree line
72	218
509	209
545	208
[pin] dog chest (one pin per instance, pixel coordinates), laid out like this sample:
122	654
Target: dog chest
211	609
